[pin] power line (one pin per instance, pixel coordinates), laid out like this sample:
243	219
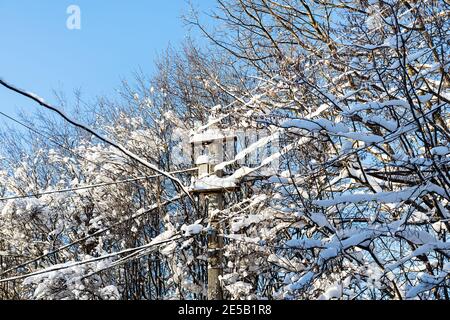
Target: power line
95	234
42	193
42	135
78	263
53	141
119	147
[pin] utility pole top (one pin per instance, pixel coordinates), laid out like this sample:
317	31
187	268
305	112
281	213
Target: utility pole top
212	135
208	149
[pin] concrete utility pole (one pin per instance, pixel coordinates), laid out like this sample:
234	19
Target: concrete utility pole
215	247
210	189
212	202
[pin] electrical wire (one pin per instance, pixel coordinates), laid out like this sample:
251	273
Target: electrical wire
95	234
117	146
41	193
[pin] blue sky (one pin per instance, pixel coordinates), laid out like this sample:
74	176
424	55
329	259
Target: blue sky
38	53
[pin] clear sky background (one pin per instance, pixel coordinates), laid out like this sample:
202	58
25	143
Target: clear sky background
38	53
